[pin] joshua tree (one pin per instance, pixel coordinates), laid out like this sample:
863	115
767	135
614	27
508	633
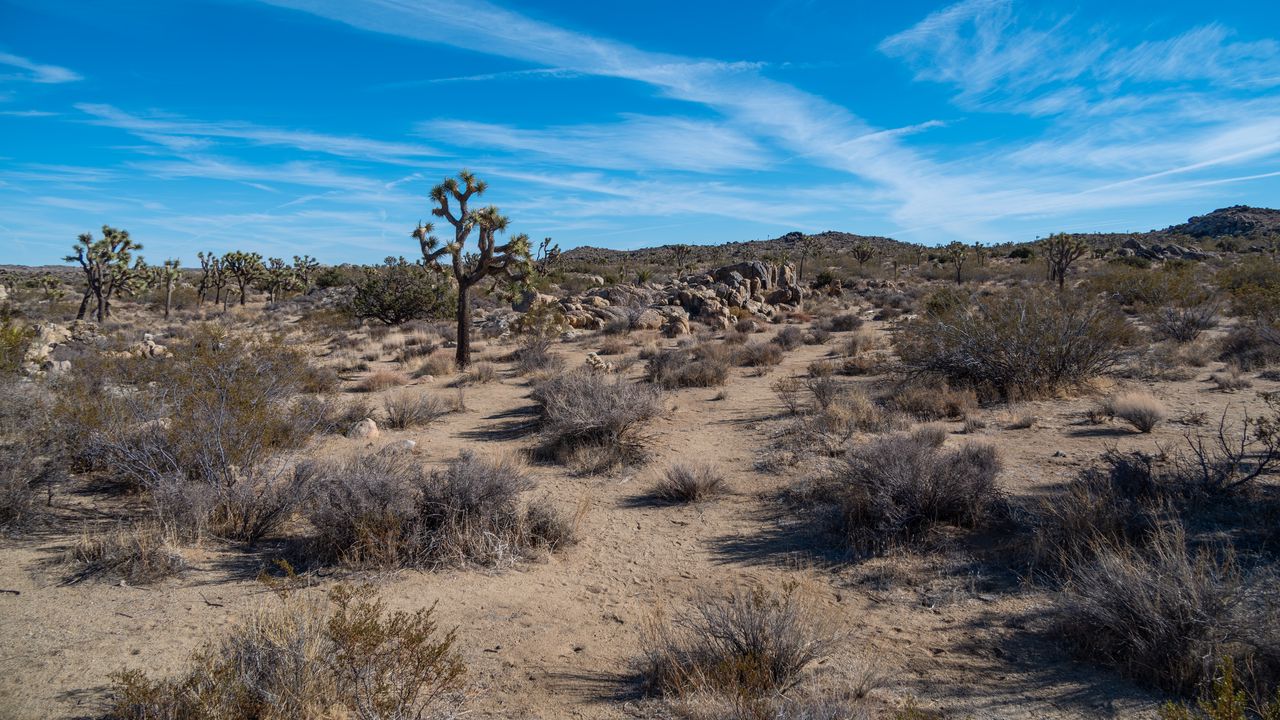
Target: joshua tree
680	257
244	267
304	267
546	256
862	252
277	277
167	276
980	254
808	246
106	267
510	260
920	253
956	253
1060	251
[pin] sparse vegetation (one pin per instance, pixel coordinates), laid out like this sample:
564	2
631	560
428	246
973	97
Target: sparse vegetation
595	420
688	482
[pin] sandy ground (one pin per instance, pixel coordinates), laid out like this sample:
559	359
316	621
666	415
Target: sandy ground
552	638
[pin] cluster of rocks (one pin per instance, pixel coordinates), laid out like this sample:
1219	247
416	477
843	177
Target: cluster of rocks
1156	251
54	345
753	290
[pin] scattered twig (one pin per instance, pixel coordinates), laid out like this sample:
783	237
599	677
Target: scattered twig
10	592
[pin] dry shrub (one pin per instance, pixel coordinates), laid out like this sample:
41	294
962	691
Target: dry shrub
382	379
937	401
614	346
860	342
846	322
757	354
436	365
347	657
830	414
1182	324
1165	614
480	373
590	415
751	644
535	355
138	555
817	336
408	410
1024	344
1230	379
688	482
22	472
897	489
386	510
1251	346
789	338
1141	410
703	365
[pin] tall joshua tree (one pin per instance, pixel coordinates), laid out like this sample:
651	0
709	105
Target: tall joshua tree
808	246
244	267
304	268
956	253
510	260
106	265
277	277
1060	251
167	276
862	252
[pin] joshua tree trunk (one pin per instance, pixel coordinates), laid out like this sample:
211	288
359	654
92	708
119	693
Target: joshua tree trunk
84	304
462	357
168	299
242	293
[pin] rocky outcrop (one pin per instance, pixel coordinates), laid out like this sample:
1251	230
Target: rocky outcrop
1156	251
1235	220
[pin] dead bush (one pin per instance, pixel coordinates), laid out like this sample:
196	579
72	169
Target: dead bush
752	643
1230	379
845	322
1182	324
438	364
535	355
1141	410
22	473
381	379
1164	614
789	338
614	346
309	658
592	414
897	489
1251	346
936	401
409	410
138	555
1024	344
688	482
387	511
757	354
703	365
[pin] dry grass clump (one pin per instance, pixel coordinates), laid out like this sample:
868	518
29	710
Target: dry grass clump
437	364
535	355
688	482
845	322
388	511
830	413
758	354
702	365
138	555
1230	379
898	488
595	419
1025	344
381	379
1141	410
21	474
751	645
937	401
347	657
406	410
479	373
614	346
789	338
1164	614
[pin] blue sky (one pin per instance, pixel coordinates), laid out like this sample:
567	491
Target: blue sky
318	126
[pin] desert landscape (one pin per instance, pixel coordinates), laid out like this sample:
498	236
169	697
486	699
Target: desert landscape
1027	480
663	360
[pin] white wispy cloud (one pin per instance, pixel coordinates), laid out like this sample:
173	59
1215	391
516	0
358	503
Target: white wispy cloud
182	134
35	72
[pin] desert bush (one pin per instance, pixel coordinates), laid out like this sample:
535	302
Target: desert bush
703	365
758	354
1182	324
817	336
1230	379
751	643
309	658
479	373
586	413
789	338
935	401
1226	700
22	472
435	365
1251	346
15	338
1024	344
398	291
381	379
535	355
1163	614
898	488
614	346
408	410
1141	410
387	511
688	482
845	322
138	555
1254	288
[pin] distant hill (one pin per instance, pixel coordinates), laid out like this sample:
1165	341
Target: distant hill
1233	221
831	241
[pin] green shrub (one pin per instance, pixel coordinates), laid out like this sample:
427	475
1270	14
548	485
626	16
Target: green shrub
15	338
398	291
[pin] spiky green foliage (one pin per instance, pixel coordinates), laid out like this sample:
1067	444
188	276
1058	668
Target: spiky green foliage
304	269
862	252
510	261
244	268
277	278
107	267
1060	251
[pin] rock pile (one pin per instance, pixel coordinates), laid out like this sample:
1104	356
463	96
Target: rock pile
1156	251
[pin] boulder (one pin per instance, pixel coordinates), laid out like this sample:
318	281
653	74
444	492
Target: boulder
366	429
648	319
